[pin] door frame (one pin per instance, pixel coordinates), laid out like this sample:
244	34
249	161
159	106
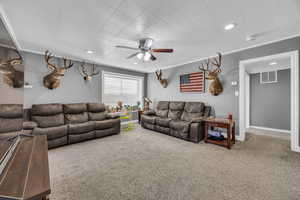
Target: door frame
244	98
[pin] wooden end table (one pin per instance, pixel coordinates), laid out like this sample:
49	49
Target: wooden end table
220	123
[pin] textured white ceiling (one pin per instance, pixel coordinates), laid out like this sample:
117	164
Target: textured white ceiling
194	28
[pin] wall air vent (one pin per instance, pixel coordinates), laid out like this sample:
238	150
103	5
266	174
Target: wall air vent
268	77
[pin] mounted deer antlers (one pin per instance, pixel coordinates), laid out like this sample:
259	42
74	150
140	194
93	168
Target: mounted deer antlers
52	80
215	87
163	82
86	75
11	76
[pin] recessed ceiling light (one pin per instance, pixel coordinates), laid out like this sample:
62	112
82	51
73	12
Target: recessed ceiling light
89	52
230	26
135	63
273	63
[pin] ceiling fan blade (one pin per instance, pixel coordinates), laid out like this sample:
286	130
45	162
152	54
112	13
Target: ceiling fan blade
132	55
153	58
162	50
126	47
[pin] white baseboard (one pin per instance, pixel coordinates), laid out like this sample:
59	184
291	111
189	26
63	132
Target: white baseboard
271	129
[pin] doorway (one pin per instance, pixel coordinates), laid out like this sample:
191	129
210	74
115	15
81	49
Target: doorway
269	74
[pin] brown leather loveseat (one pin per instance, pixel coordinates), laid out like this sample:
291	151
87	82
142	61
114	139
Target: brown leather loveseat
11	120
179	119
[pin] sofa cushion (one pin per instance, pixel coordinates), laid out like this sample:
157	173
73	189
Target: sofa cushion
161	129
148	126
97	116
194	107
106	124
148	119
49	121
81	137
180	126
11	110
9	134
76	118
192	110
29	125
106	132
96	107
75	108
175	110
179	134
10	124
176	105
57	142
51	132
164	122
46	109
162	113
162	109
81	127
162	105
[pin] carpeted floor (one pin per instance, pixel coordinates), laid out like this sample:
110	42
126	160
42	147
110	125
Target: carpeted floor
145	165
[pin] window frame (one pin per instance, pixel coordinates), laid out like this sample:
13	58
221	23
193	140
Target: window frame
140	78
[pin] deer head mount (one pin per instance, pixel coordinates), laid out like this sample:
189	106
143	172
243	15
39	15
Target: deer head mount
52	80
163	81
88	76
215	87
11	76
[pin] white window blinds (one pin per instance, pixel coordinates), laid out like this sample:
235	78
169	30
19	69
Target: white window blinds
119	87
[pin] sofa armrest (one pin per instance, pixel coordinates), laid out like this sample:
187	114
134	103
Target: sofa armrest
29	125
196	131
149	112
112	116
197	119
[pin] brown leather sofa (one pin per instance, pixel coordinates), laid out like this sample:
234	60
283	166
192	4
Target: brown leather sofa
71	123
179	119
11	120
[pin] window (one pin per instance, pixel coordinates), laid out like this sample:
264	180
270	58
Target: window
120	87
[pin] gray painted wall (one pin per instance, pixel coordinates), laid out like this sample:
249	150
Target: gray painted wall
225	102
73	89
270	104
9	95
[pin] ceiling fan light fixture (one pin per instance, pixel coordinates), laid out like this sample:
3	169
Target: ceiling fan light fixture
148	42
230	26
140	55
147	56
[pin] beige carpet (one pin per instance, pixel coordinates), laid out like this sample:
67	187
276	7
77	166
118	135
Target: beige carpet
144	165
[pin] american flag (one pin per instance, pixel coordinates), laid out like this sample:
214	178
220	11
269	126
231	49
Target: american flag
193	82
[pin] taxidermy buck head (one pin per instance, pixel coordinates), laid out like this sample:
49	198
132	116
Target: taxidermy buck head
52	80
88	76
163	82
215	87
11	76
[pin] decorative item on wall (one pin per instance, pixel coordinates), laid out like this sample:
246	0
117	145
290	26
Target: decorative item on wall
119	106
215	87
147	102
193	82
11	76
52	80
88	76
163	81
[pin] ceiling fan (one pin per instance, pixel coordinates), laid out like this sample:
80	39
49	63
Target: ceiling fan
144	50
